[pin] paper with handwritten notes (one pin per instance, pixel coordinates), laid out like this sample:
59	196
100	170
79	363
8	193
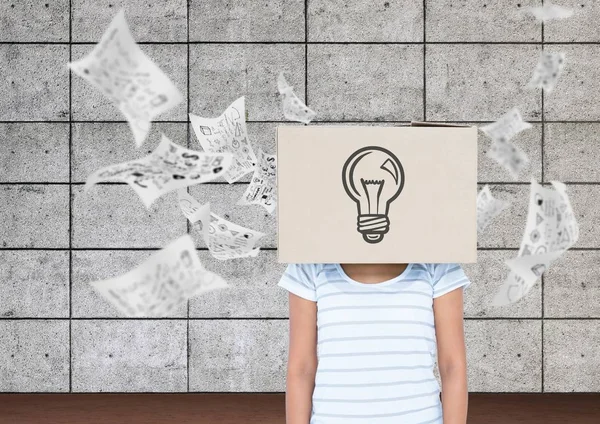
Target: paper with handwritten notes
224	239
227	134
551	229
161	284
263	186
169	167
547	71
294	109
130	79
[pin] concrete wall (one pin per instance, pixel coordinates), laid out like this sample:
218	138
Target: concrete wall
355	62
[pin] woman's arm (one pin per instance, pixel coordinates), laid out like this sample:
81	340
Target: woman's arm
302	361
452	361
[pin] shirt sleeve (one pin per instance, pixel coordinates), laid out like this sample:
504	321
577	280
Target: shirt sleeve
299	279
448	277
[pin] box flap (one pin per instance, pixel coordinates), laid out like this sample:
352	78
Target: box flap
437	124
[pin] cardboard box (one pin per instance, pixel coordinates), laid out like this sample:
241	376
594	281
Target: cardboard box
356	194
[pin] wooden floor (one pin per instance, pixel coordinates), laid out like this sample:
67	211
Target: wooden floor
266	409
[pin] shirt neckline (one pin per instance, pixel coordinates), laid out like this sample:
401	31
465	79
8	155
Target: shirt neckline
381	284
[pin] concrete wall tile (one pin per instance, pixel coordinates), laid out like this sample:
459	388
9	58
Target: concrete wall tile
504	355
35	82
90	104
571	152
247	20
34	152
482	20
89	266
572	286
581	27
571	356
129	356
358	82
574	97
34	356
34	216
238	356
252	291
148	20
114	216
34	284
34	21
481	82
348	21
220	73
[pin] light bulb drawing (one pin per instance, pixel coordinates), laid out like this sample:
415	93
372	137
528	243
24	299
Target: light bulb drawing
373	177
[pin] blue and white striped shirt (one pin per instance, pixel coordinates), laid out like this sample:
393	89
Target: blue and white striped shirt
376	344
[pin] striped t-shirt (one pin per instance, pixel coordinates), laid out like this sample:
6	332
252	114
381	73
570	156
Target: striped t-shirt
376	344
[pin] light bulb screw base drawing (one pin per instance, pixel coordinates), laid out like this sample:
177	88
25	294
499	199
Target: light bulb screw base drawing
373	227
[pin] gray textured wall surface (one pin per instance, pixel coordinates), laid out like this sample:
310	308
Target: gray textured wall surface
371	62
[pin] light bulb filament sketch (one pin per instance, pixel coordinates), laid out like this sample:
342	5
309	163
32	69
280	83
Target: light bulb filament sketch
373	177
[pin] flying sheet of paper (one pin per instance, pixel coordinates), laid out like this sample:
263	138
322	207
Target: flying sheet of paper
224	239
550	231
488	208
262	189
509	156
505	128
227	133
162	283
135	84
294	109
547	71
550	11
167	168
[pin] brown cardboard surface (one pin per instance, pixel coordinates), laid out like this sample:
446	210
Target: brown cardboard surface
432	219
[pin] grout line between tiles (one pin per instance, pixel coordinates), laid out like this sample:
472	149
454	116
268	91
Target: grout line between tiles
70	202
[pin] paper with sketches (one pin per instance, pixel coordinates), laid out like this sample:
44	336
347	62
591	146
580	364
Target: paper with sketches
509	156
262	189
167	168
551	229
224	239
547	71
161	284
130	79
294	109
488	208
550	11
505	128
227	133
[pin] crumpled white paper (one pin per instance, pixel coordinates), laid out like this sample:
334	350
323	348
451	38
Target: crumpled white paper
549	11
550	231
224	239
294	109
505	128
130	79
547	71
167	168
488	208
509	156
227	133
162	283
262	189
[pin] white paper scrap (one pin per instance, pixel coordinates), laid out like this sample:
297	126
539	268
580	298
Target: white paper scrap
294	109
224	239
505	128
262	189
509	156
227	133
547	71
550	11
488	208
167	168
550	231
162	283
130	79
